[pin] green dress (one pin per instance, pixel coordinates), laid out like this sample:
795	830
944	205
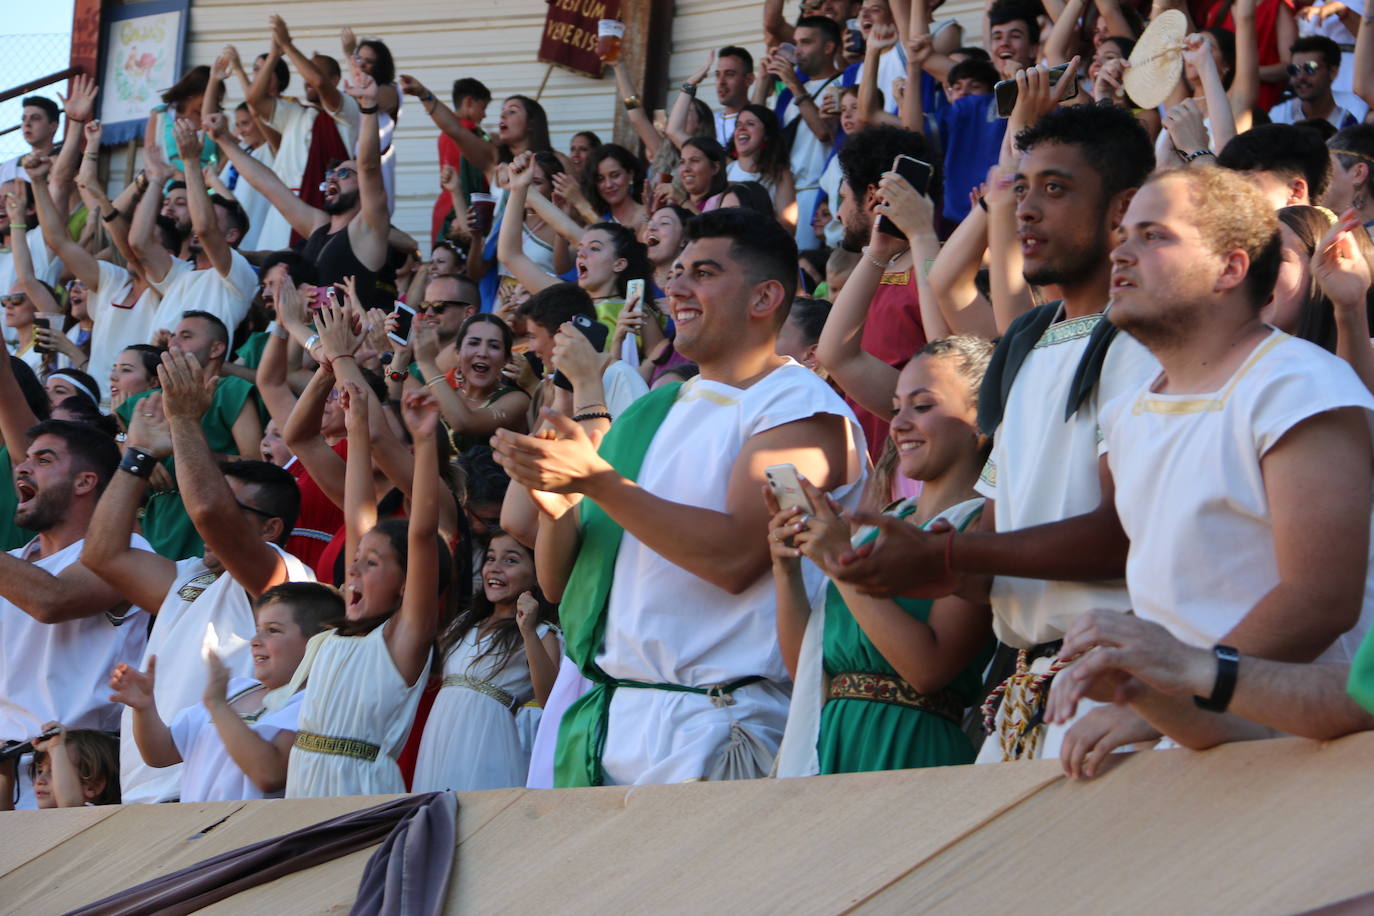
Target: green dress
859	735
165	523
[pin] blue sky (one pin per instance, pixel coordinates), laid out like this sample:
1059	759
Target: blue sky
18	66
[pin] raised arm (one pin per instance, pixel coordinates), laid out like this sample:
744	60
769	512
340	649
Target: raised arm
480	152
1058	45
303	218
369	233
262	761
302	435
22	259
936	63
235	536
1011	294
914	214
144	235
79	108
864	377
16	417
638	117
411	635
1344	276
141	576
360	496
1198	51
677	117
953	278
76	258
509	243
153	738
776	28
314	77
258	95
821	126
204	219
880	39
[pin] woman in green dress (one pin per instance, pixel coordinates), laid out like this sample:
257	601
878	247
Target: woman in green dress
899	673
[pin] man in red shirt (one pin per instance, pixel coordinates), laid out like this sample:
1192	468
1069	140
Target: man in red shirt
470	101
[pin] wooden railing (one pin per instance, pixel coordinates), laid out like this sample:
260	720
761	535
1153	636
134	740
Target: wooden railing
31	85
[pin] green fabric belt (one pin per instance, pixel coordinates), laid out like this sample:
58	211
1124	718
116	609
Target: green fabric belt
582	734
1360	685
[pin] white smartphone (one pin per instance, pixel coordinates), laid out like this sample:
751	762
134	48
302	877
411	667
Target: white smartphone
405	318
785	483
634	291
629	347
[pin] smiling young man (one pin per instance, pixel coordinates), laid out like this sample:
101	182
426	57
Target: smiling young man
1050	528
1242	469
1315	63
662	536
242	510
734	77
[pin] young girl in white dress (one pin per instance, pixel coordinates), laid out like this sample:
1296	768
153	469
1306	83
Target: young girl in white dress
364	679
497	656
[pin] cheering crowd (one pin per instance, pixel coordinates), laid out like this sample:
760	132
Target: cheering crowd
913	404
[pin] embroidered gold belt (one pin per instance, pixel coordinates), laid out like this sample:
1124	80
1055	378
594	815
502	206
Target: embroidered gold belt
883	688
483	687
343	747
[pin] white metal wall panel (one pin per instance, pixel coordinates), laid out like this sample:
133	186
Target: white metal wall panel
438	41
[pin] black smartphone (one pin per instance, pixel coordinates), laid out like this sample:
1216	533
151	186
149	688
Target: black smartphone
405	317
918	175
1006	91
855	44
44	324
594	331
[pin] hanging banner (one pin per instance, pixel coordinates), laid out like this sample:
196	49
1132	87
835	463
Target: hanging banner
142	58
570	34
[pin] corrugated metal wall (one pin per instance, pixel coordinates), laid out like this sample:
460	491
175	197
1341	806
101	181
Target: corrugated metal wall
440	40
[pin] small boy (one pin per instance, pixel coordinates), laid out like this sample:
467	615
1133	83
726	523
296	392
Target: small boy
233	745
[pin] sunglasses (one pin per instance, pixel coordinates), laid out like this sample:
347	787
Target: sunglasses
1309	67
336	175
16	300
438	307
255	511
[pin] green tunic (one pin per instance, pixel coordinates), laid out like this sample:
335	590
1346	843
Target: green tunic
11	535
857	736
165	523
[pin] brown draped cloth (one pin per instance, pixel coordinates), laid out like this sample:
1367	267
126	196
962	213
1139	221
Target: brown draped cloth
326	147
407	875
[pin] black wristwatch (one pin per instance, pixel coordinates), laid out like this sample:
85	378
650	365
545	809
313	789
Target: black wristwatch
1228	664
690	89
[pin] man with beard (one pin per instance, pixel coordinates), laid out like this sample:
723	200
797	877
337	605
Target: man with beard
207	273
61	626
1315	62
881	294
1049	537
693	686
348	237
1242	469
244	511
231	426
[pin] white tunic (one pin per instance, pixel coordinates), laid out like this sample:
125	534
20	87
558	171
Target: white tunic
201	611
184	288
1044	469
1191	496
116	326
296	123
255	204
209	773
471	740
354	691
666	625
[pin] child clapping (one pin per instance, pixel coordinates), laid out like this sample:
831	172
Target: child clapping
235	744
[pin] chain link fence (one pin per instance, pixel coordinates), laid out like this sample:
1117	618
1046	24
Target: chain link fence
24	58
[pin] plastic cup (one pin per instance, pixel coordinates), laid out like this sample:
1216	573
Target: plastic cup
609	32
485	205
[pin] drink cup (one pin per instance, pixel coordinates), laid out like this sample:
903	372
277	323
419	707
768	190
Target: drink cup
485	205
609	32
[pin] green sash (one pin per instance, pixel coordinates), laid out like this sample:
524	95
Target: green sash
582	611
1360	686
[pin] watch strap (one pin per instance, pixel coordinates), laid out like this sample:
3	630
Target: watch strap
1228	666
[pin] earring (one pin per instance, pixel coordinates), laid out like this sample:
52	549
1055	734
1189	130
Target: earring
1358	201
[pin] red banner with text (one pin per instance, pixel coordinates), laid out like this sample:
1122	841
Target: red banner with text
570	33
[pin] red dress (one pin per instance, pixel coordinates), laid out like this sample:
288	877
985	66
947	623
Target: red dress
1209	13
320	523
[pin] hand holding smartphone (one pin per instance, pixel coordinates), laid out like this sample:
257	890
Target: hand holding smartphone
917	174
405	320
785	483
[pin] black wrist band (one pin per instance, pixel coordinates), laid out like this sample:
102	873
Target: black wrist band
427	97
372	110
591	415
1228	664
114	215
138	463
